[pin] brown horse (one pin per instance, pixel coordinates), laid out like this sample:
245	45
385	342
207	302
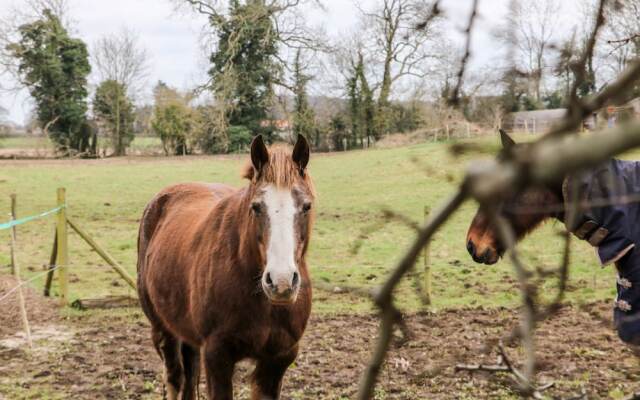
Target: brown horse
611	227
482	238
222	274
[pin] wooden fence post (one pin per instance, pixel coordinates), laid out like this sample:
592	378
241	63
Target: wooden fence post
52	264
62	252
16	273
14	236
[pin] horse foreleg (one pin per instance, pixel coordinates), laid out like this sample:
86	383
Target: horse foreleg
219	366
267	377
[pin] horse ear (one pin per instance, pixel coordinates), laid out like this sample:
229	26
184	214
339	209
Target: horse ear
507	142
259	153
300	153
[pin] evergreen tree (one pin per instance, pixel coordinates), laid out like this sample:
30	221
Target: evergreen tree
54	67
243	68
361	106
368	113
304	119
355	107
112	107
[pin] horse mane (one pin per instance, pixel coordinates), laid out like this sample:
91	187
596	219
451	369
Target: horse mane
280	170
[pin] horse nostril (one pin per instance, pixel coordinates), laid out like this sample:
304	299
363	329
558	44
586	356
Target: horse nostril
485	256
295	280
471	248
268	280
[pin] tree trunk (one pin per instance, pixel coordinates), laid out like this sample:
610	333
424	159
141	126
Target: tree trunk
118	138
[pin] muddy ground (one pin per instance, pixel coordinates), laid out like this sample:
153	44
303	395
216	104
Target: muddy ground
109	356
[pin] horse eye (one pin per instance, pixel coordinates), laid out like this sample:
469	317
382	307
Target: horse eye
306	207
256	207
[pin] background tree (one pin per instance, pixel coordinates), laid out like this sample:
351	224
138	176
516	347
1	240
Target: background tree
361	106
24	12
243	68
621	44
338	128
171	122
115	111
529	30
174	121
121	63
304	119
54	67
397	48
4	126
354	92
515	93
247	39
142	120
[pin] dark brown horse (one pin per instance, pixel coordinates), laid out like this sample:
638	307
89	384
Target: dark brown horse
222	274
600	217
482	238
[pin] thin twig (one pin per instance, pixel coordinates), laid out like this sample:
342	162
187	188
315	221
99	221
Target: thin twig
384	298
528	321
433	14
454	99
405	220
575	108
499	367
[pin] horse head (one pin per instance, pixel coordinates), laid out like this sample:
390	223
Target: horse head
523	209
281	197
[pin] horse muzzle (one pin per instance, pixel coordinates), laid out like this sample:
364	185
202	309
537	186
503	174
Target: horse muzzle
281	290
485	255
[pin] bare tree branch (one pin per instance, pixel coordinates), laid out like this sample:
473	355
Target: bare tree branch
544	161
580	67
528	321
454	99
384	298
121	58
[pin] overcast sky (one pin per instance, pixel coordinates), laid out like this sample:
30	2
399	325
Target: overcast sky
171	38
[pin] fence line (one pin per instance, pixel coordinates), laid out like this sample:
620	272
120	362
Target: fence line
36	277
59	257
22	283
20	221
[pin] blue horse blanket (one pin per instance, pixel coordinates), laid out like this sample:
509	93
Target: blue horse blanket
602	206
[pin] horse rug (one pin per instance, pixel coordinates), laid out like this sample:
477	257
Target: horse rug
602	206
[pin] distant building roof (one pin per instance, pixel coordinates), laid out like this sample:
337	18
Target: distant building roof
279	124
540	115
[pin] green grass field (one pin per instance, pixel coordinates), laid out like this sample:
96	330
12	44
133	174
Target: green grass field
140	145
352	245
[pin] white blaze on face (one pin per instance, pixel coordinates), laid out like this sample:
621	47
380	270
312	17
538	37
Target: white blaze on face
281	247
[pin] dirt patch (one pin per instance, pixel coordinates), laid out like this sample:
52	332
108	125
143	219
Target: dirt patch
40	310
113	358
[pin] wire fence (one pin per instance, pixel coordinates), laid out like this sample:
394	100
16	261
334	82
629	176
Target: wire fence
59	261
